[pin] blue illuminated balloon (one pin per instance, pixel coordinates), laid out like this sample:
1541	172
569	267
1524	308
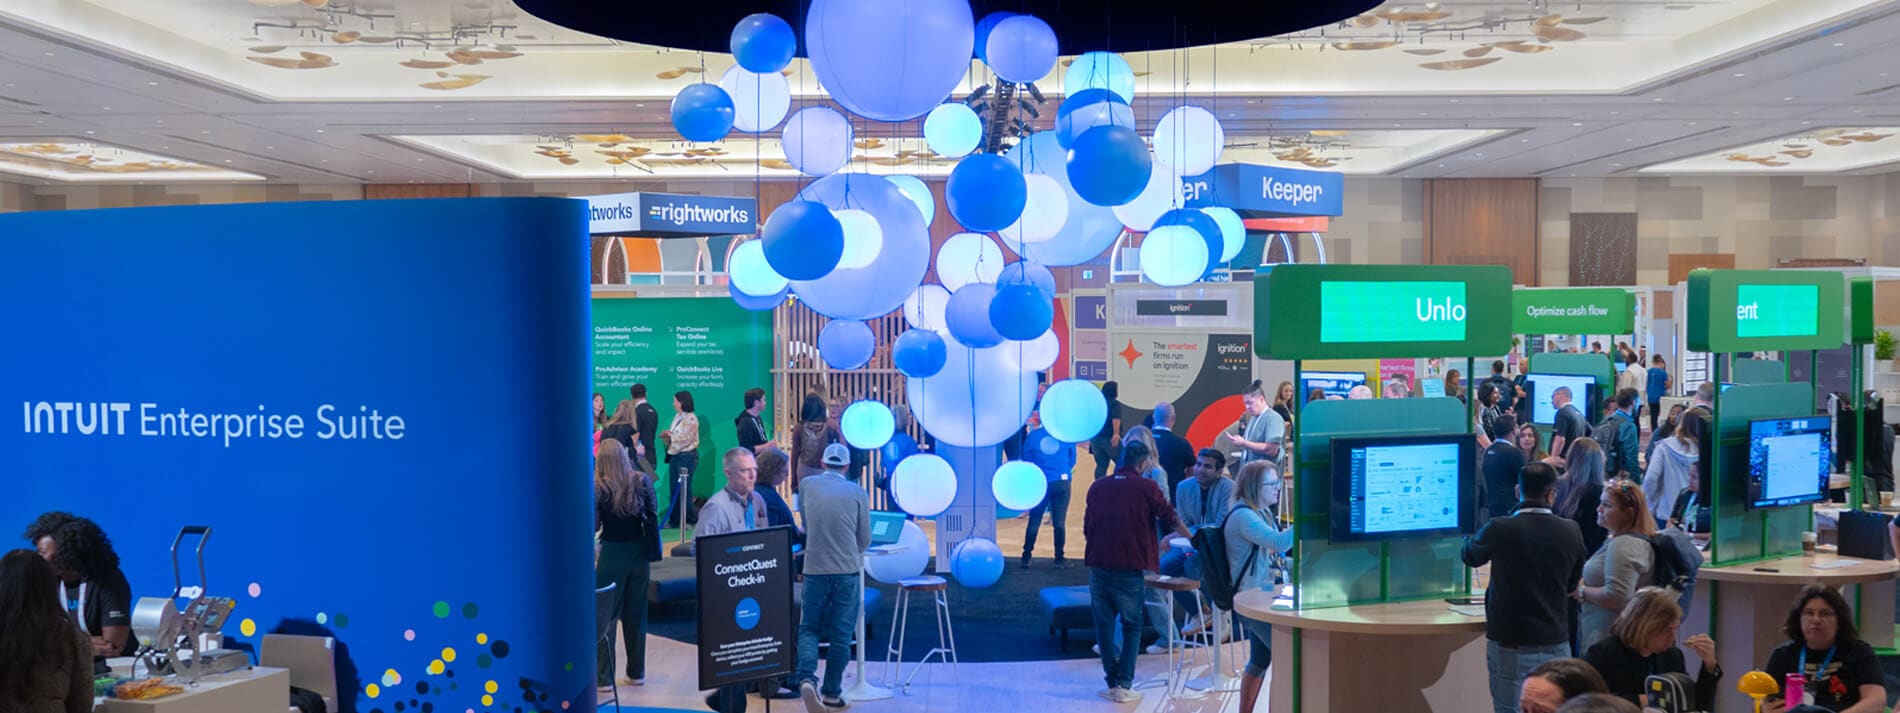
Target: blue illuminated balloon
924	485
952	130
1088	109
986	192
817	141
763	43
1024	272
983	28
1109	165
1019	485
1021	312
890	60
1203	226
1073	411
1021	49
867	425
756	303
846	344
1233	232
703	112
977	563
902	259
803	240
1088	230
919	353
968	315
901	446
1173	255
914	189
749	272
1100	70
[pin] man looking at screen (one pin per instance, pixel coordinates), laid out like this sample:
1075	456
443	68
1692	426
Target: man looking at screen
1536	557
1570	424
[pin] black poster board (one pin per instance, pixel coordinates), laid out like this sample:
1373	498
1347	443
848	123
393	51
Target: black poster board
745	607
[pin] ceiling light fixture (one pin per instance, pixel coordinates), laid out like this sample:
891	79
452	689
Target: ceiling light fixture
1741	74
1576	123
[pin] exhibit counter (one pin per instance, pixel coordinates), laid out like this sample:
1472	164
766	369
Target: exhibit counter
1425	656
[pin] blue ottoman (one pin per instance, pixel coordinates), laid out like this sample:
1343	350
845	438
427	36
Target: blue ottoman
674	580
1067	608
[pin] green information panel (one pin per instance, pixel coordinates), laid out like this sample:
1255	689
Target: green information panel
707	346
1370	311
1584	310
1860	296
1765	310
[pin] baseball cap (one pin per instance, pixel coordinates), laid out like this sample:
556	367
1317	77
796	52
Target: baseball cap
836	454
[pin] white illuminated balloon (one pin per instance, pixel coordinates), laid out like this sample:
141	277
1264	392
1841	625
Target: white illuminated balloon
1162	194
1019	485
1044	214
1036	354
918	193
817	140
759	101
1173	255
1190	139
867	425
1074	410
924	308
1233	232
967	258
751	274
924	484
863	238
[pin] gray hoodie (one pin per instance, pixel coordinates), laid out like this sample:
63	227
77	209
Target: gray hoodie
1671	465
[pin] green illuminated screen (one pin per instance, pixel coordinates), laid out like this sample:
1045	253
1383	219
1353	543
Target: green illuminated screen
1391	311
1777	310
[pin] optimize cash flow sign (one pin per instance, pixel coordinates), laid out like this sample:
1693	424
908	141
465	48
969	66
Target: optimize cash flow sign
1583	310
1765	310
1370	311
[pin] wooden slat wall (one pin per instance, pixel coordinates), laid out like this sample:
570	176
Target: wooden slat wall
1681	263
1483	221
418	190
800	372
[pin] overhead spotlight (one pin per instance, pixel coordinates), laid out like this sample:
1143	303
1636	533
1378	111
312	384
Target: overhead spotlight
978	94
1037	93
1026	106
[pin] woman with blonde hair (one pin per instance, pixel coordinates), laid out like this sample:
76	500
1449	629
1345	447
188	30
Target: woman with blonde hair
1642	643
628	525
1149	467
1624	564
1255	545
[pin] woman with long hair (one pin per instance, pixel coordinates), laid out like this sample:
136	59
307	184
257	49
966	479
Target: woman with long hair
1532	444
1623	564
629	531
600	411
45	661
1149	467
83	558
1824	646
682	460
1642	643
809	438
1283	401
1581	489
1255	544
620	427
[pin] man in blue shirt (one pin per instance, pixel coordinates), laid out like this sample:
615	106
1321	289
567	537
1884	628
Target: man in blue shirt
1057	461
1657	387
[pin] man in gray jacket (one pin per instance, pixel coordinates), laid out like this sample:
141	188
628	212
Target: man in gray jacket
736	507
837	515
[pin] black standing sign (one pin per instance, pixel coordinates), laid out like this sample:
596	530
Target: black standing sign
745	607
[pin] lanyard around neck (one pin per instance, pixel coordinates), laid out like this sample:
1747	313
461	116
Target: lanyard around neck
1819	673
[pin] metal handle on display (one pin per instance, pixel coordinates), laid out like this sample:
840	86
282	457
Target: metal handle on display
204	534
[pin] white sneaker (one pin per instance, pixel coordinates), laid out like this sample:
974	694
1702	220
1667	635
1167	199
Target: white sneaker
1127	695
1097	648
1156	648
1193	626
1110	694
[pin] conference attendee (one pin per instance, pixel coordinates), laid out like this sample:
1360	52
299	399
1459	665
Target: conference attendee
1705	396
1691	511
1570	423
1200	501
811	437
1283	401
1624	441
753	435
774	468
1056	460
1264	432
1150	464
1120	547
40	531
1531	443
620	427
738	507
1642	643
95	590
1623	564
1556	681
1507	393
1315	394
1499	465
1454	385
1843	674
1255	542
1597	703
1536	558
627	523
1105	447
600	411
1672	467
1581	490
646	425
1488	411
1658	434
1361	392
837	516
682	460
1396	388
1656	386
46	663
1633	377
1173	452
1596	347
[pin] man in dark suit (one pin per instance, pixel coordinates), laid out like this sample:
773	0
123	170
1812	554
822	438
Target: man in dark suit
1174	452
647	421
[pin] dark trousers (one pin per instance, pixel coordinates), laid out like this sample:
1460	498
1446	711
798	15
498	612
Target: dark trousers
1105	457
1115	598
625	564
1056	503
680	469
1655	410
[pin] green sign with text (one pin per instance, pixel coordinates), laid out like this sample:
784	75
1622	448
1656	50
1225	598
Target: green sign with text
1397	311
1777	310
1352	311
1765	310
1582	310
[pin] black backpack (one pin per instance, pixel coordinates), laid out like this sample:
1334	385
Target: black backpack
1672	563
1217	580
1605	434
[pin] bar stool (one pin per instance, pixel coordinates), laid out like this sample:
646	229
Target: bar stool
900	621
1179	659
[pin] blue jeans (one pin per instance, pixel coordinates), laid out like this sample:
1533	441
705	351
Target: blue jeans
1056	503
1510	665
830	612
1176	562
1259	645
1116	594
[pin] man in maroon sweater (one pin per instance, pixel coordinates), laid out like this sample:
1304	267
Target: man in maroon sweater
1119	528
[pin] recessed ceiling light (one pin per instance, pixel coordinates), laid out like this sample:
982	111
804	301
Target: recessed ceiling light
89	132
1657	99
151	84
270	148
370	171
105	108
1424	113
1741	74
1787	99
438	106
161	121
204	132
1576	123
319	131
1805	123
1692	123
1618	165
227	160
1840	44
1523	141
49	54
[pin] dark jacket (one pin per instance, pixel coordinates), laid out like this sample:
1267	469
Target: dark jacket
1500	465
647	422
1176	455
1536	560
751	430
1621	444
57	681
1625	670
1116	526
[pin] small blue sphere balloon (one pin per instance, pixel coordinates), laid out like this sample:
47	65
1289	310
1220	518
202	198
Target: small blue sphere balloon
1021	312
1204	225
1089	109
1233	231
1019	485
901	446
968	316
757	303
977	563
919	353
986	192
1073	410
1100	70
952	130
703	112
846	344
983	28
1021	49
803	240
867	425
1024	272
1109	165
763	43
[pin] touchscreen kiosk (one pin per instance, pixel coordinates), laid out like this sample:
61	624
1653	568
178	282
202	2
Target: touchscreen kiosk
1788	461
1330	383
1541	386
1403	487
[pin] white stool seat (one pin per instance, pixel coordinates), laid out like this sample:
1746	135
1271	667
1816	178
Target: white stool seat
936	588
924	582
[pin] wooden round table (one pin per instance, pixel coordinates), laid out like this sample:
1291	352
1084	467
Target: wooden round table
1423	656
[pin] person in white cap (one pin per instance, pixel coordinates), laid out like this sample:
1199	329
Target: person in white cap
837	515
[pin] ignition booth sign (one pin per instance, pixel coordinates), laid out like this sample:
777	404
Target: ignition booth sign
745	606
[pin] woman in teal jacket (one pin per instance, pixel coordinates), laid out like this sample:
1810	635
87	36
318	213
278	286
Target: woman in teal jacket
1251	529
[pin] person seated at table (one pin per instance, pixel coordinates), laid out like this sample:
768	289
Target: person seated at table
1598	703
1555	681
45	661
1843	674
1642	643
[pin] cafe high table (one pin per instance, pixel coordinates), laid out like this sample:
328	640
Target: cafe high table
1403	656
863	689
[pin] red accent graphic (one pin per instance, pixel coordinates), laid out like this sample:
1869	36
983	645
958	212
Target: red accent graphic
1129	353
1209	423
1061	326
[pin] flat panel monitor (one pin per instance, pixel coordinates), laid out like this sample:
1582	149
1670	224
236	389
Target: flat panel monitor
1330	383
1432	388
1788	461
1400	487
1543	412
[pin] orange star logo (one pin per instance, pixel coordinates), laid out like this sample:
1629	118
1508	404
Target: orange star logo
1130	353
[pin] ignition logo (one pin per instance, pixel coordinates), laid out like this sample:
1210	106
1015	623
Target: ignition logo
678	214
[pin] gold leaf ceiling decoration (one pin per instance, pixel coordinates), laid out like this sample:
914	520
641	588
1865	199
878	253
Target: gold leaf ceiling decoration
1424	52
461	81
1364	46
1455	65
311	60
426	64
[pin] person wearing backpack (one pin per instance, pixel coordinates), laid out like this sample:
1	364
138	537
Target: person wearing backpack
1618	435
1254	542
1625	563
1672	465
1536	557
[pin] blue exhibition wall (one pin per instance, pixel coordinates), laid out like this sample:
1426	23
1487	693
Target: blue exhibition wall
379	407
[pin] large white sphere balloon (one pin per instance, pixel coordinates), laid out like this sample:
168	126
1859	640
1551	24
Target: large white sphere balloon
1233	232
1036	354
923	309
1021	49
1162	194
914	189
863	238
876	289
1100	70
1074	410
1173	255
967	258
1045	212
952	130
1090	229
908	559
867	425
890	60
980	398
1019	485
968	315
750	273
759	101
1190	139
924	485
817	141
